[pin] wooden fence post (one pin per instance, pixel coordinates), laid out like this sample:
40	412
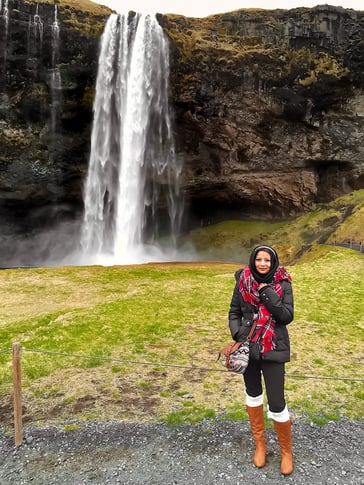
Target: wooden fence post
18	427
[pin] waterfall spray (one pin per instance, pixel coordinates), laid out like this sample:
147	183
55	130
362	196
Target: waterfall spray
133	178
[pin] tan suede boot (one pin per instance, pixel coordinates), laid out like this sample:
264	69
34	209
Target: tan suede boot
284	435
256	417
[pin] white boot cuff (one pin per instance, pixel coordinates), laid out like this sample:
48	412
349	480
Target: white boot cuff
254	402
281	417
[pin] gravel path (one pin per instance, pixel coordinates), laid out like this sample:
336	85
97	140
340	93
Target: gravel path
208	453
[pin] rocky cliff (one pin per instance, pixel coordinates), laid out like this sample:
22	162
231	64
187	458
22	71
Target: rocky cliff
48	64
269	112
269	109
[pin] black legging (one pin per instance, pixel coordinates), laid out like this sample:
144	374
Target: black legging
273	373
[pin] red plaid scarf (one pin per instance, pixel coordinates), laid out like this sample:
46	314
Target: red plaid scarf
248	287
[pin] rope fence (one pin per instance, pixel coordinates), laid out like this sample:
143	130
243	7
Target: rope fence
180	366
17	388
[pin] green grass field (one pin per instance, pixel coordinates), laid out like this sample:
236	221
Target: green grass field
140	343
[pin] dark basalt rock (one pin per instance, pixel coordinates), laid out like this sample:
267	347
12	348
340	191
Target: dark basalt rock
269	108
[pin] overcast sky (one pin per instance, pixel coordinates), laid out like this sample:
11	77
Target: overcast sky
196	8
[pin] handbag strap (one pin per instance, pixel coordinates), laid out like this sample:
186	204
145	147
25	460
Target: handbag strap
250	334
230	346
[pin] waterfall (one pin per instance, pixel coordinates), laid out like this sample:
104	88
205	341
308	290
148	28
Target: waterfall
35	34
6	16
133	177
4	13
55	38
56	81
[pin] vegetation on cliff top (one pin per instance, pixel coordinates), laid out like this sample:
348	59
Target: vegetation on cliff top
259	39
81	15
83	5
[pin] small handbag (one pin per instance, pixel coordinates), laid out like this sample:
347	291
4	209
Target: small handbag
235	355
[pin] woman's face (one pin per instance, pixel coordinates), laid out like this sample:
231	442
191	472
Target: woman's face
263	262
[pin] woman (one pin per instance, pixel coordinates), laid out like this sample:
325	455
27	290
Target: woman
263	292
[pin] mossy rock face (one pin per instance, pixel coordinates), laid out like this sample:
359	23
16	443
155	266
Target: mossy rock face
268	110
296	48
46	93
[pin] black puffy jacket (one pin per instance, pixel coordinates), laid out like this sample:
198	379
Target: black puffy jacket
241	316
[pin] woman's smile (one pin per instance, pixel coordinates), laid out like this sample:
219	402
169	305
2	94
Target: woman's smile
263	262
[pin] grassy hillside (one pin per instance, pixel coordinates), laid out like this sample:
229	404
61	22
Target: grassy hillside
340	220
140	343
